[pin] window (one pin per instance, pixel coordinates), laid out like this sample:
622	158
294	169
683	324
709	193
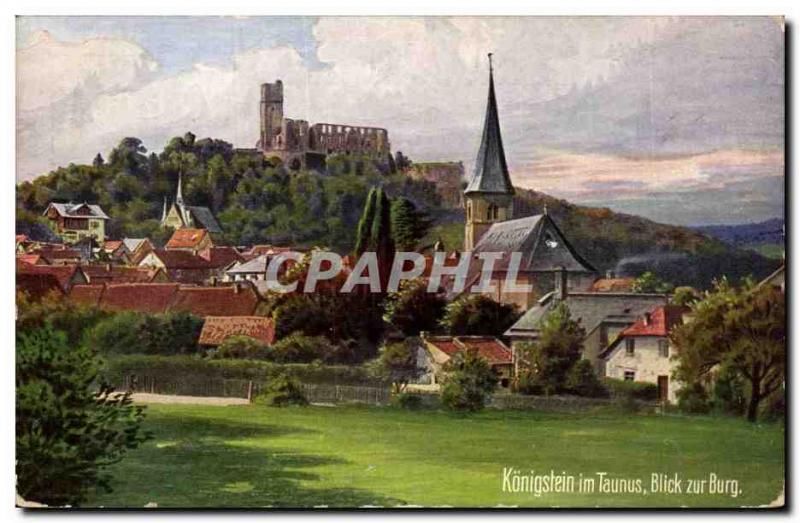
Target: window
469	210
663	348
630	346
630	375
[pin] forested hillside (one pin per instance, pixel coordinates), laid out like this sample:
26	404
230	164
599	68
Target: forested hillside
259	201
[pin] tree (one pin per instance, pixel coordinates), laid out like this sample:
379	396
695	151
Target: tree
582	380
98	161
409	226
740	329
363	233
298	348
549	360
478	314
242	347
468	381
129	156
381	236
282	391
413	309
69	424
684	296
397	364
648	282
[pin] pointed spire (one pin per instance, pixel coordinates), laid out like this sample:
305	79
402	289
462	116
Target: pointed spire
545	208
179	196
491	171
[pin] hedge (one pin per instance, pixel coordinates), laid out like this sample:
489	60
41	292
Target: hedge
175	368
631	389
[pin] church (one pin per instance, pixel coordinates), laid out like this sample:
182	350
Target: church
179	215
547	258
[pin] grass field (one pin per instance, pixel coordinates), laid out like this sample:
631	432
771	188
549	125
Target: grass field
252	456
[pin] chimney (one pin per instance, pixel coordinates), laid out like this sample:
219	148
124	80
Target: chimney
561	284
236	287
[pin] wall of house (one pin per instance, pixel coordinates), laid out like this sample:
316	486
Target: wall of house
645	362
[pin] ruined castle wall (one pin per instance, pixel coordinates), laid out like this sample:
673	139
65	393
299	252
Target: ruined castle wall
349	139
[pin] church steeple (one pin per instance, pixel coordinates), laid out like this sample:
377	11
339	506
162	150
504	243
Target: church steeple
491	172
179	195
489	194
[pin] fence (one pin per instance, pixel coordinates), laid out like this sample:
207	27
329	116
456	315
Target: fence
241	388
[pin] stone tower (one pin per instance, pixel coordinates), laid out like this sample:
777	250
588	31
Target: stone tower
489	194
271	115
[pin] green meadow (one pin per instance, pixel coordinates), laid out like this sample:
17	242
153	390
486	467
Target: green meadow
254	456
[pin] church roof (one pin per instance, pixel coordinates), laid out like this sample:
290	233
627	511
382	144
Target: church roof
205	218
542	244
491	172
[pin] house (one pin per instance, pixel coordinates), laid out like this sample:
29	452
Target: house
228	300
217	329
56	254
643	352
109	273
490	227
32	259
115	251
66	275
73	221
178	215
186	266
151	298
252	270
603	315
440	349
138	248
192	240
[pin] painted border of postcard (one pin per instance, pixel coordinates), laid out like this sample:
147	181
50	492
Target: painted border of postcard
318	262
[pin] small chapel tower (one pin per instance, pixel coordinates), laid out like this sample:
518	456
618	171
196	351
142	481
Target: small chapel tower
489	194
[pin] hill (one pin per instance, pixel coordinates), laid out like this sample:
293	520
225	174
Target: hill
257	201
764	237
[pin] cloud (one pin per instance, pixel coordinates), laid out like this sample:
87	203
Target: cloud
591	108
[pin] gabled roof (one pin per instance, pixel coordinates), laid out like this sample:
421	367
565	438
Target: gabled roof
32	259
491	172
186	238
219	257
591	308
65	274
489	348
231	300
133	243
181	259
69	210
542	244
658	322
112	245
217	328
119	274
205	218
143	297
256	265
57	254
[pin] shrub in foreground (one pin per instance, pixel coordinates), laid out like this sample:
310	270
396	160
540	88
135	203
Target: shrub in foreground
638	390
69	427
283	391
241	347
468	382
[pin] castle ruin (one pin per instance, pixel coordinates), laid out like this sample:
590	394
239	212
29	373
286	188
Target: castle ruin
300	145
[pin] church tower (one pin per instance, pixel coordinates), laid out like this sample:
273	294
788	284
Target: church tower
489	194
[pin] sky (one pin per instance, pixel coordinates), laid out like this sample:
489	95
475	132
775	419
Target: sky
680	120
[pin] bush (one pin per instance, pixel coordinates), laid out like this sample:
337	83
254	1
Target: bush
282	391
241	347
406	400
637	390
730	393
468	382
582	381
139	333
299	348
694	400
529	384
69	426
478	314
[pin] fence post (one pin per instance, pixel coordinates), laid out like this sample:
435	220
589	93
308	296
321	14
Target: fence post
250	391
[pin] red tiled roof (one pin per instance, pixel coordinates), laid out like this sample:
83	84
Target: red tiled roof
112	245
117	274
217	328
186	238
50	253
143	297
86	294
219	257
37	286
489	348
182	260
612	285
63	273
660	322
32	259
444	344
231	300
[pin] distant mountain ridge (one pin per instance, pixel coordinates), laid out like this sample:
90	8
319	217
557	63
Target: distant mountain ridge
769	231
